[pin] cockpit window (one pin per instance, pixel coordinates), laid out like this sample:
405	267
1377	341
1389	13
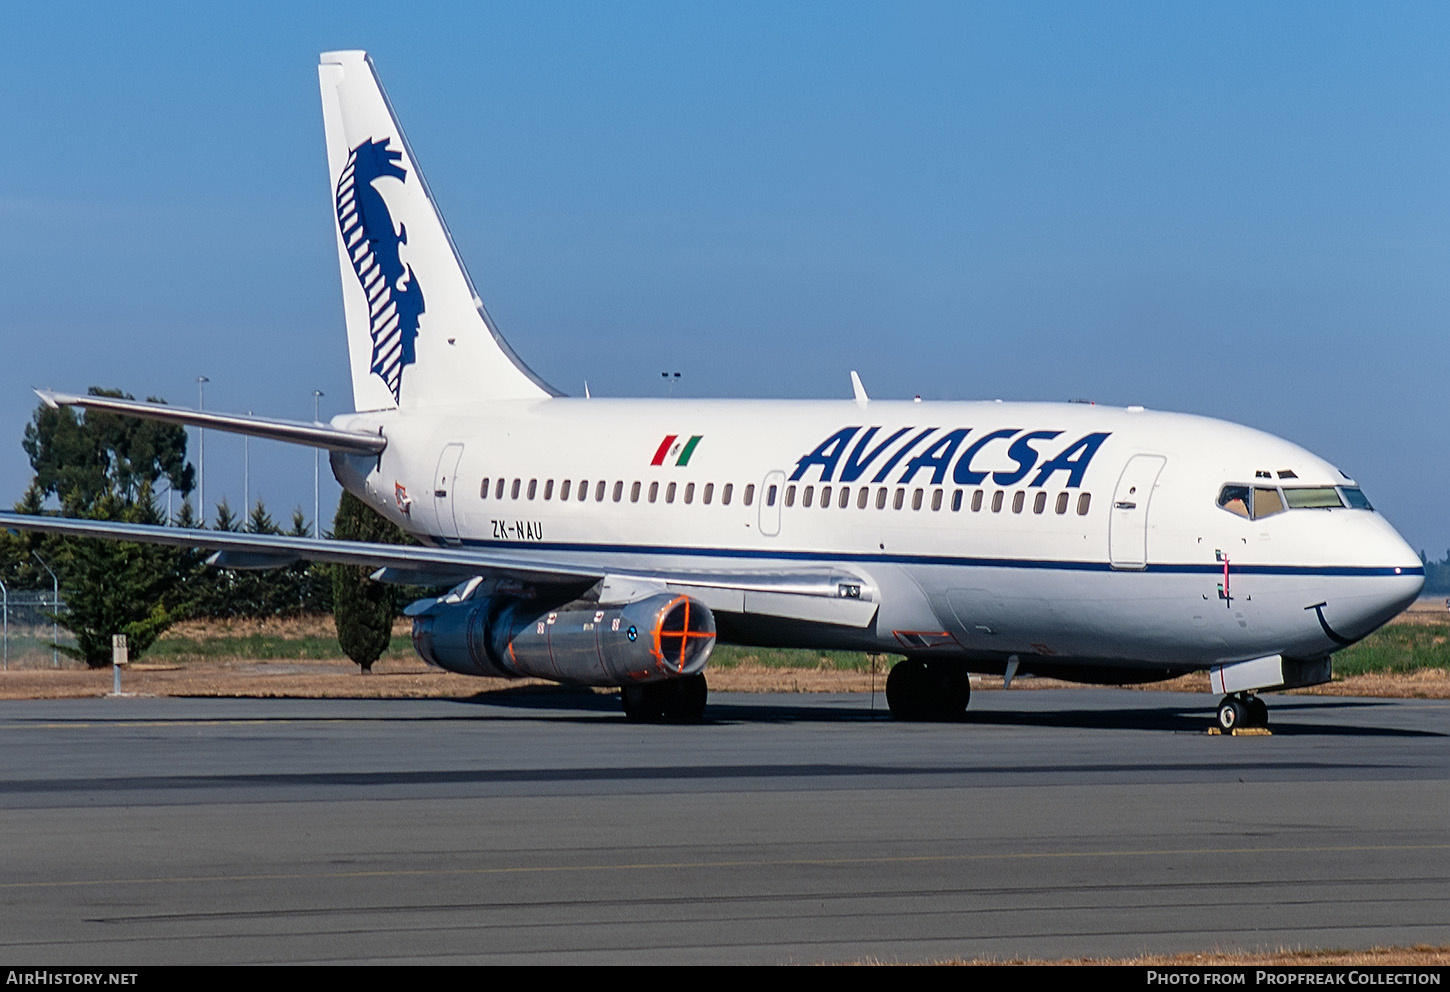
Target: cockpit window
1313	498
1355	498
1235	499
1257	502
1267	502
1252	502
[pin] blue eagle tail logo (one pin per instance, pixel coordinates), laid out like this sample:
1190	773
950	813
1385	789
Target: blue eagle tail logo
395	298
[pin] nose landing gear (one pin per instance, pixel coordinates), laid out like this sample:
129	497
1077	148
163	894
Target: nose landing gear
1242	711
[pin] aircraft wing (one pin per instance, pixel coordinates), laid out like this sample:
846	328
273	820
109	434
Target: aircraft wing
825	595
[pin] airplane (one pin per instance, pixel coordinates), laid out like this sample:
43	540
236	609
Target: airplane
613	542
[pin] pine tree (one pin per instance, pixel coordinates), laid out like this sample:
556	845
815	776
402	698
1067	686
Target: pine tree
115	587
363	609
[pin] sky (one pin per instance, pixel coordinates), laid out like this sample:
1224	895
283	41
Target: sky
1237	210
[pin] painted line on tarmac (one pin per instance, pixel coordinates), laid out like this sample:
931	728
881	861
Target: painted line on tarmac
733	864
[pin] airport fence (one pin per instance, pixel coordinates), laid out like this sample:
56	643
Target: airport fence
29	632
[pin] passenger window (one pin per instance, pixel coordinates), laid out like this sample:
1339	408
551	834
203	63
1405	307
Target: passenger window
498	490
549	489
881	498
977	501
633	492
863	497
806	496
583	490
599	491
654	491
1018	499
689	492
709	492
956	500
790	495
1061	503
514	493
1083	501
900	499
749	493
670	493
1039	502
997	501
483	490
825	497
564	489
726	492
845	498
769	496
618	491
533	487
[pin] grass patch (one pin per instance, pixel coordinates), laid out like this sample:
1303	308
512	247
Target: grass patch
732	656
1399	648
181	648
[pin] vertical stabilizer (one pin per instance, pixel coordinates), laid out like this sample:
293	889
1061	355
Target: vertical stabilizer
417	332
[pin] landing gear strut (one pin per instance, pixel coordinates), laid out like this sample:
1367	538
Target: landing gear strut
1242	710
675	701
919	690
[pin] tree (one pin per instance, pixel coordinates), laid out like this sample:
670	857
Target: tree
364	609
115	587
105	467
80	457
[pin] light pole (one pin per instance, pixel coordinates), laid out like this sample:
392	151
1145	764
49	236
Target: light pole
317	395
54	608
201	382
247	471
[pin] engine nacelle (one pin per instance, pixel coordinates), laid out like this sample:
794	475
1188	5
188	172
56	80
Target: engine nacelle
651	639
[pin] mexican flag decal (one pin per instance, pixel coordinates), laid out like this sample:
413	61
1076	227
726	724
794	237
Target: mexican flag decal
668	448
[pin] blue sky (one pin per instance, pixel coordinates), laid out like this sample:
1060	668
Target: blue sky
1239	210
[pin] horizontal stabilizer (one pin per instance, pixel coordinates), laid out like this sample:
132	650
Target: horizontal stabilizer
293	431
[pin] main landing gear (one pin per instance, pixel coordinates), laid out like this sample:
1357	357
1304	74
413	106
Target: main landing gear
675	701
1241	711
919	690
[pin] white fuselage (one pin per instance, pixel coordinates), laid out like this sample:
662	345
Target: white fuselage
1075	535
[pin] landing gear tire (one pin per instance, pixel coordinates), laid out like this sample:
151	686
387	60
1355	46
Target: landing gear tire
684	699
1241	712
1258	712
675	701
1232	714
916	690
643	703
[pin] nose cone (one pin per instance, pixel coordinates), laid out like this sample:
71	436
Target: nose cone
1377	594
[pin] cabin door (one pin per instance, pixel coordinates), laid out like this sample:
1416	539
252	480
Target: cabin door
1128	516
445	488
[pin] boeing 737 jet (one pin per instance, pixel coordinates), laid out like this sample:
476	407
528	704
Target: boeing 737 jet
611	542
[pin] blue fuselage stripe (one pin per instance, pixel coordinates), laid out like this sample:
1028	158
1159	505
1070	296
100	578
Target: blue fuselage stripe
1209	568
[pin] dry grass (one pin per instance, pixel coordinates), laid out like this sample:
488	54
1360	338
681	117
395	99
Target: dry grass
299	657
1419	956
